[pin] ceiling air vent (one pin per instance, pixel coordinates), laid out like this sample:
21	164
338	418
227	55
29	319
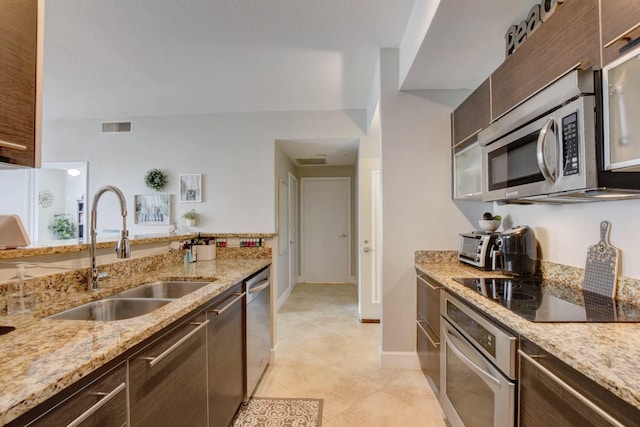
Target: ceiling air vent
117	127
311	161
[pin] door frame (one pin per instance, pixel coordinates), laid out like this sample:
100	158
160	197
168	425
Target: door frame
294	217
302	209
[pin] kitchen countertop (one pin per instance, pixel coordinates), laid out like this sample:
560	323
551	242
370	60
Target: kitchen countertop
43	356
607	353
70	246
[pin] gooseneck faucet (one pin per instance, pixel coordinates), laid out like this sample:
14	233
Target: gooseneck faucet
123	250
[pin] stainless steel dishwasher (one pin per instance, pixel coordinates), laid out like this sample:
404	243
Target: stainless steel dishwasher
258	348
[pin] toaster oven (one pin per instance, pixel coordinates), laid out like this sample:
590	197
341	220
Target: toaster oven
475	248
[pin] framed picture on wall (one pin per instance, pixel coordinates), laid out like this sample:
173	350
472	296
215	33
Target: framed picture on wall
152	209
191	188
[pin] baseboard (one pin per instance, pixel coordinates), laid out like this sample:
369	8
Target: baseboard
353	280
283	298
399	359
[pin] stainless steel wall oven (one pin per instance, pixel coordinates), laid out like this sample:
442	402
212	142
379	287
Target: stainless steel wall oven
478	362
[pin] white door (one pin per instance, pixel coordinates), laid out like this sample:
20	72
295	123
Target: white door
293	231
369	240
325	229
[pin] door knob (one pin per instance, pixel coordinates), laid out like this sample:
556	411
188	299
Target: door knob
367	250
343	235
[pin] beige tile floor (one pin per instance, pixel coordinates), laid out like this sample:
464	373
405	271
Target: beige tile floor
325	352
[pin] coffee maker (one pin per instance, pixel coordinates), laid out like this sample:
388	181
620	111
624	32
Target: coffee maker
516	252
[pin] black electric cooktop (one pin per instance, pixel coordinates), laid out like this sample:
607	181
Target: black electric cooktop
542	301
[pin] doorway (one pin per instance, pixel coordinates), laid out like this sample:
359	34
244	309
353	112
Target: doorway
326	229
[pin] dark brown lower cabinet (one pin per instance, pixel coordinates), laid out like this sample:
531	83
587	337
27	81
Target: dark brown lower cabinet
225	356
102	403
428	327
552	393
168	378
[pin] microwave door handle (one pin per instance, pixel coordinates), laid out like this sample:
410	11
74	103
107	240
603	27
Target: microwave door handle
549	176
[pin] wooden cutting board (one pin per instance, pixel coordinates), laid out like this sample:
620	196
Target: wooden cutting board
601	270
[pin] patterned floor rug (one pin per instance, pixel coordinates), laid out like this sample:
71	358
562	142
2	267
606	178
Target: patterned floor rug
264	412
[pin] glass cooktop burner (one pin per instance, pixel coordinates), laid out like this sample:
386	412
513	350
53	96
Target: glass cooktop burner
542	301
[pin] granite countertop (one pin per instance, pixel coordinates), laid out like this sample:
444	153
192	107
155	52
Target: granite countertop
607	353
70	246
43	356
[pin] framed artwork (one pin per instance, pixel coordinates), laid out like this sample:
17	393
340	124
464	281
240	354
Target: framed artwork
152	209
191	188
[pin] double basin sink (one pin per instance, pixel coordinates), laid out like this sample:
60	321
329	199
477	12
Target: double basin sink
131	303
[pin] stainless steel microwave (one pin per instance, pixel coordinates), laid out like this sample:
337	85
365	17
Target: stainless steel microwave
545	150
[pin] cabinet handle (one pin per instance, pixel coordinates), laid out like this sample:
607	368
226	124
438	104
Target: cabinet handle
621	36
575	393
92	410
219	311
13	146
435	288
424	331
152	361
257	289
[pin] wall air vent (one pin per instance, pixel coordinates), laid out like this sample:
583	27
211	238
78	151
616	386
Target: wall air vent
117	127
311	161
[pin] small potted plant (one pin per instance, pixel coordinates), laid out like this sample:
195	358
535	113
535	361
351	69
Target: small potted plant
62	227
190	218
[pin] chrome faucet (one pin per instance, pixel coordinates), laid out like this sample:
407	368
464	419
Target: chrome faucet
123	250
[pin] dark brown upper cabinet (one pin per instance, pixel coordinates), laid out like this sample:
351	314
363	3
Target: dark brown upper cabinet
472	115
21	31
568	39
620	25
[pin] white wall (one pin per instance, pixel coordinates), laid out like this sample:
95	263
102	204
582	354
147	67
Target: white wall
284	166
15	196
233	152
565	231
418	212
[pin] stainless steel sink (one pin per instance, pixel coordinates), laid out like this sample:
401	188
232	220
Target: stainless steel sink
167	289
111	309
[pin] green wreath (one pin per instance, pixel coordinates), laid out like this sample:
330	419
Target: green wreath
155	179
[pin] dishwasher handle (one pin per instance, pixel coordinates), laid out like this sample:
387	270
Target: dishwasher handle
259	287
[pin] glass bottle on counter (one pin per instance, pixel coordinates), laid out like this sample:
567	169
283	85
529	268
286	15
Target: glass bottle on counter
21	297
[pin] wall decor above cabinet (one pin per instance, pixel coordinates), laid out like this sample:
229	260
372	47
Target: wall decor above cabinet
518	33
21	54
569	39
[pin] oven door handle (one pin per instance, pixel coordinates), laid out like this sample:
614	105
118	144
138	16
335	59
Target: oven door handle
489	379
546	130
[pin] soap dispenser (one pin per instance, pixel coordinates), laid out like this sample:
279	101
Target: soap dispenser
21	296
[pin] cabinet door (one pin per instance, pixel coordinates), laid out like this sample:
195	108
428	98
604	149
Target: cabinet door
102	403
467	172
620	24
568	39
428	347
225	342
168	378
552	393
20	81
472	115
428	328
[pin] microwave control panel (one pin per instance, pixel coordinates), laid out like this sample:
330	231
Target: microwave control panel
570	155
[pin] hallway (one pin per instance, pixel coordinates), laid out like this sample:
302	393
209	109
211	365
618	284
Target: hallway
325	352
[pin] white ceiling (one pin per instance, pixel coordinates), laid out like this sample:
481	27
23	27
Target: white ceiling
122	58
